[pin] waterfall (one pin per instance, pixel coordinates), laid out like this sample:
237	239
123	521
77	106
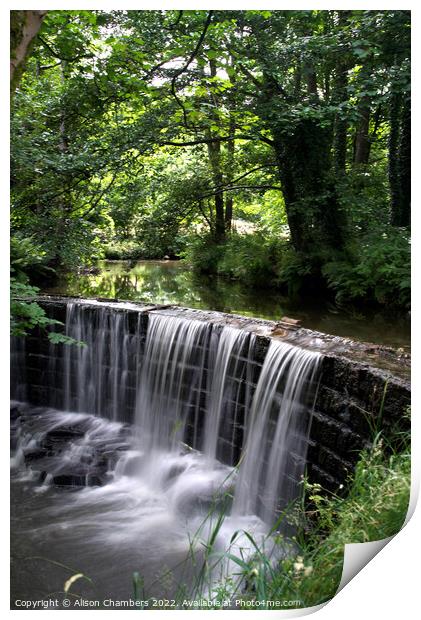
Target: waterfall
223	389
188	380
172	427
96	374
277	428
170	381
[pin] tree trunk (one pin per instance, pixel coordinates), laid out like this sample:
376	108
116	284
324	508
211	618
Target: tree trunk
405	163
229	199
315	219
24	27
311	81
362	140
340	95
214	152
394	168
296	224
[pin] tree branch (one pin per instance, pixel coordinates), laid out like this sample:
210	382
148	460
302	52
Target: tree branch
217	139
231	188
57	55
189	61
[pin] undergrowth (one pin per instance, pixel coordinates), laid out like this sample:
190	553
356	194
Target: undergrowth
374	269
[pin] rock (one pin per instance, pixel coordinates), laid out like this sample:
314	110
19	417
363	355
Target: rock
279	332
79	479
89	270
59	438
34	454
14	413
69	480
289	322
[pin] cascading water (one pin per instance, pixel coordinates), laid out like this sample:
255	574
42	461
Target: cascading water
96	375
224	363
277	429
170	380
187	381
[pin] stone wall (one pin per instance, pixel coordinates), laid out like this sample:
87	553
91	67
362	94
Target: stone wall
355	396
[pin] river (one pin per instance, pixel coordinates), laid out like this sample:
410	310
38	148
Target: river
174	282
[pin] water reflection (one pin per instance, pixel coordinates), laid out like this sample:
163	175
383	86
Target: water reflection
172	282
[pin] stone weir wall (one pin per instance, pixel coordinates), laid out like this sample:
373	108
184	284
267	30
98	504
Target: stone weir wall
363	387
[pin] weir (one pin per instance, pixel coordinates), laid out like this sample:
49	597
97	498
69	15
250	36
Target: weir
168	416
361	385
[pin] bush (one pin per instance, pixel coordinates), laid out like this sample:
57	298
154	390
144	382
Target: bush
380	271
152	245
27	258
251	258
374	269
123	250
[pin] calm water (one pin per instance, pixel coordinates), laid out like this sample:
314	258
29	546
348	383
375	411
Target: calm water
172	282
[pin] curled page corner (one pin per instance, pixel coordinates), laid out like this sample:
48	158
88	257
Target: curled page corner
358	555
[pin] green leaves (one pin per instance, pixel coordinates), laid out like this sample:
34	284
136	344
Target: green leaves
381	271
106	92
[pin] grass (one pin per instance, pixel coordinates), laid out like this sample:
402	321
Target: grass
375	508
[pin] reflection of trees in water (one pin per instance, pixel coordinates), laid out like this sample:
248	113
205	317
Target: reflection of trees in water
152	283
173	284
177	284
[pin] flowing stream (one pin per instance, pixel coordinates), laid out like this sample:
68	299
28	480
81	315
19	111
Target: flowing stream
148	443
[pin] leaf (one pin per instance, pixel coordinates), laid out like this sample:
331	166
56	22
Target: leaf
57	338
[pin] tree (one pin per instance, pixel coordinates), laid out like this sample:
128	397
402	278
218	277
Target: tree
145	125
24	27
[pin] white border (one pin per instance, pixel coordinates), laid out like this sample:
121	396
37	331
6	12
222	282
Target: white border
388	586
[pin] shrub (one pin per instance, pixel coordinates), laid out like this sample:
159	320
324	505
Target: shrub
379	272
252	258
122	250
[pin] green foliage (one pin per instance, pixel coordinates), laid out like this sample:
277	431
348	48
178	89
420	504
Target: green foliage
375	270
203	254
122	250
25	315
253	259
131	130
250	258
380	271
27	258
153	244
26	255
375	508
364	196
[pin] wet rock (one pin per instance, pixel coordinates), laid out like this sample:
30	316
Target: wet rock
58	439
15	412
34	454
89	270
75	480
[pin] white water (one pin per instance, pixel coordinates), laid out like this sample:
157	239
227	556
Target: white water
277	429
189	381
171	377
